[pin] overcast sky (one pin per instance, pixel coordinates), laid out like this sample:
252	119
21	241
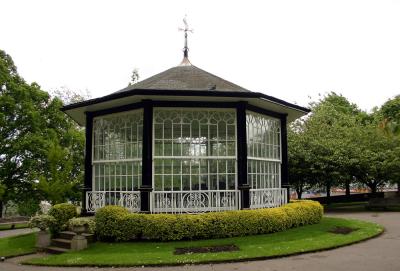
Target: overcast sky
288	49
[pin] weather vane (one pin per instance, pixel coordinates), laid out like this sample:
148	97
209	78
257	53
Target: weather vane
186	30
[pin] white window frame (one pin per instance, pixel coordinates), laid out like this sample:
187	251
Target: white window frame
253	158
103	161
206	158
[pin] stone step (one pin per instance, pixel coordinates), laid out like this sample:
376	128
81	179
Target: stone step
89	237
67	235
55	250
61	243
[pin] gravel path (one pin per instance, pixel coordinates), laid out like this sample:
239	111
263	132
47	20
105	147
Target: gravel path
381	253
7	233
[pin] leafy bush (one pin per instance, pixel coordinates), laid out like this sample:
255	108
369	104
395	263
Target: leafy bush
87	222
62	213
28	207
42	222
116	223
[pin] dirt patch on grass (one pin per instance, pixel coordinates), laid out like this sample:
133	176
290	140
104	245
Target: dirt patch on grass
212	249
342	230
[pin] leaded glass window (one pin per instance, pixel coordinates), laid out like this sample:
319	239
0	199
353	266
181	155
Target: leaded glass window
194	149
263	151
117	151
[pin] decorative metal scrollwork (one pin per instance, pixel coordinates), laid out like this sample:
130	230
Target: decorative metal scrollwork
225	201
269	197
94	201
130	201
195	202
166	202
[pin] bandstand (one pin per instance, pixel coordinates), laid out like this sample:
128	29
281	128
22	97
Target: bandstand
185	141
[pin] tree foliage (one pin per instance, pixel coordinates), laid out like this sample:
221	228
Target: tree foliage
338	144
390	117
31	128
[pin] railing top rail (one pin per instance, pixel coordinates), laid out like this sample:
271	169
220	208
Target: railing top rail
193	191
263	189
112	191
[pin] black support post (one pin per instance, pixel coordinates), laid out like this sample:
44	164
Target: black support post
243	186
147	157
284	164
87	185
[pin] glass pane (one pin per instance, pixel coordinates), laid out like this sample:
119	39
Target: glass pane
157	182
186	182
158	131
195	182
168	182
167	129
167	147
177	182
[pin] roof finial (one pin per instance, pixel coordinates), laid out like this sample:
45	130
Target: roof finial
185	61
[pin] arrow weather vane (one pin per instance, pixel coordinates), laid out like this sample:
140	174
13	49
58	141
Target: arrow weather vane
186	30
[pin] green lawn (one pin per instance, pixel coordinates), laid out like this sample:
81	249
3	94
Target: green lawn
298	240
17	245
4	227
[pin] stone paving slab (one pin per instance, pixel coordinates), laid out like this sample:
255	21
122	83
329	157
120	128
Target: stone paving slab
381	253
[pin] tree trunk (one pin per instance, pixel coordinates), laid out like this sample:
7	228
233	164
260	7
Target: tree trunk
373	187
347	188
299	192
1	209
328	192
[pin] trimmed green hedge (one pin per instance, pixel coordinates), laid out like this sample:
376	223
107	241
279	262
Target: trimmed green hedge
62	213
117	224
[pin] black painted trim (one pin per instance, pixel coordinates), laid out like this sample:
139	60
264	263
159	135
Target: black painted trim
241	137
139	105
147	156
200	93
87	185
118	109
200	104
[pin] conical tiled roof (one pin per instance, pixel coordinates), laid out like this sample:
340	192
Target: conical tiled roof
185	77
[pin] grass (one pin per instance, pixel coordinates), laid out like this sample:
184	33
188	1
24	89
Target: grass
4	227
17	245
299	240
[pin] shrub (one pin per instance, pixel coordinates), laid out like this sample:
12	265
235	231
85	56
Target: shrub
28	207
87	222
62	213
116	223
107	221
42	222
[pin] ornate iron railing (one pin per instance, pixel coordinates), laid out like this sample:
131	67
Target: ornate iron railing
187	201
127	199
194	201
267	197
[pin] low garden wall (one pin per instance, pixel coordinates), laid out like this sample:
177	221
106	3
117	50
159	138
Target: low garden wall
115	223
359	197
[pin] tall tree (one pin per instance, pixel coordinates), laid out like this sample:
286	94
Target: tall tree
30	123
322	142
